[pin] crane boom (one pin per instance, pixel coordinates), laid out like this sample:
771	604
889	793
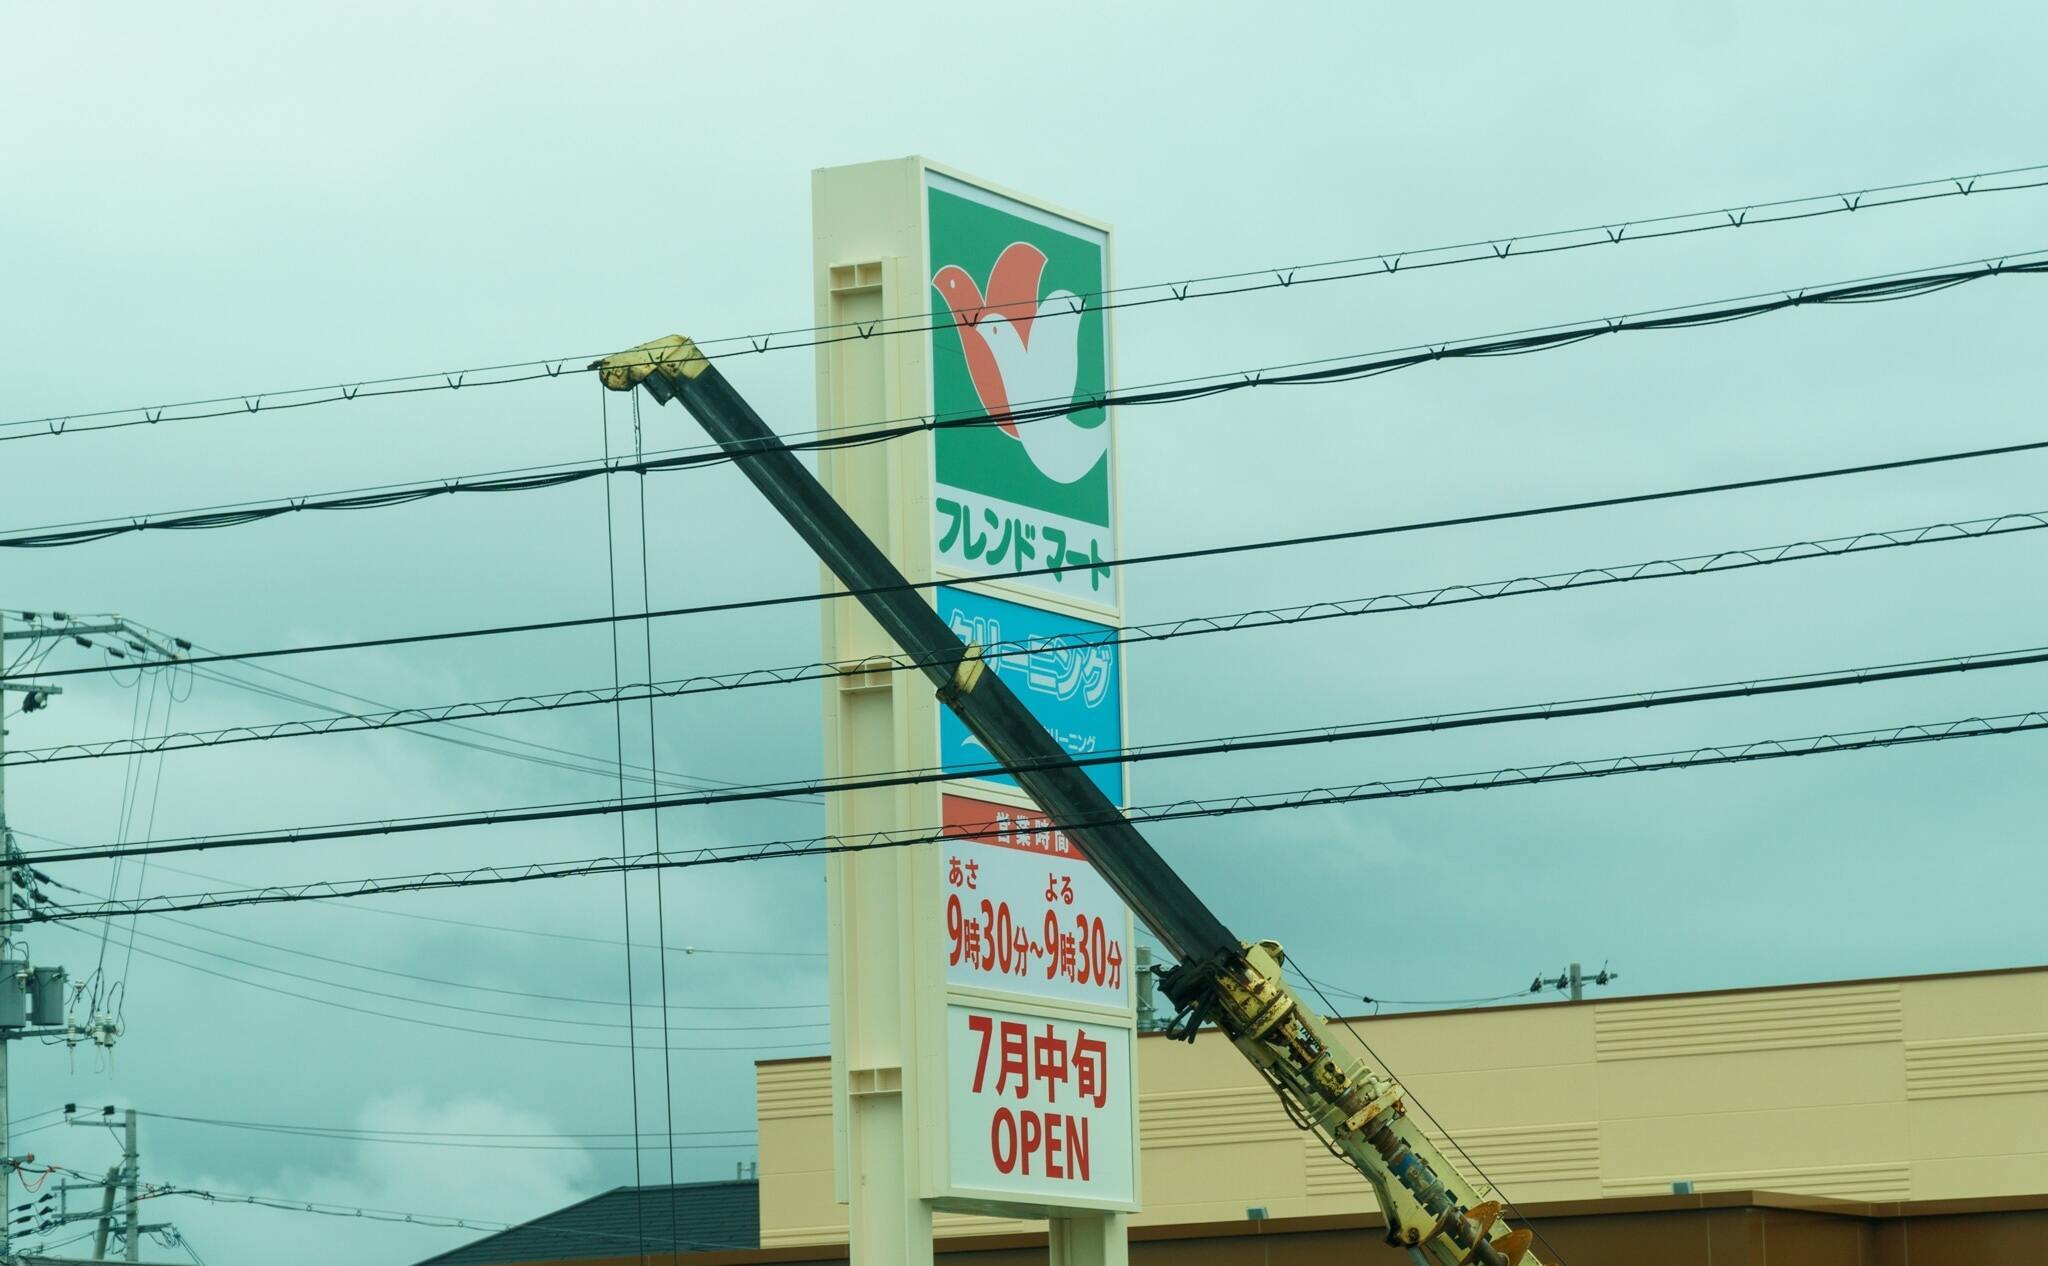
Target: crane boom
1431	1209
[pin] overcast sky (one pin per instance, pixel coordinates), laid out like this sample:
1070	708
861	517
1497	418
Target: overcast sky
239	198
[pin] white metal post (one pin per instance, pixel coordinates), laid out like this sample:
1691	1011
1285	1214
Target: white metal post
1089	1239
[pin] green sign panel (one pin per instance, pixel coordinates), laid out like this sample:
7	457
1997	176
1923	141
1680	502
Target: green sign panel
1018	325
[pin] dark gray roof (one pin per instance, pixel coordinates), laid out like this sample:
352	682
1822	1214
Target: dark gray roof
707	1216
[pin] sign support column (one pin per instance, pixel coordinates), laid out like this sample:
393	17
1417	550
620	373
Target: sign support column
866	231
1094	1239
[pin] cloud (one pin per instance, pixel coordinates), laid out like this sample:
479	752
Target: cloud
313	195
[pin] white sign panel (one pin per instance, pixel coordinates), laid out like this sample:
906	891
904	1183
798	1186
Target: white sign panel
1025	911
1040	1109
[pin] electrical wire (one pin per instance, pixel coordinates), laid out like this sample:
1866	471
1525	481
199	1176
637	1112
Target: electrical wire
172	1237
739	1145
156	793
1612	232
526	1016
357	907
578	762
263	690
1325	371
632	1044
341	717
52	1245
1910	734
1594	705
440	1221
141	719
1373	1001
120	833
472	985
142	873
340	722
39	649
1181	555
350	1137
152	1191
370	1134
36	1116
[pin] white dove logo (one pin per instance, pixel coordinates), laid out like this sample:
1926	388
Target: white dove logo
1023	349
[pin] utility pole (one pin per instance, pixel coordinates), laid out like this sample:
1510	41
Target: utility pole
1573	980
6	907
132	1172
125	1177
106	1225
1148	1018
31	998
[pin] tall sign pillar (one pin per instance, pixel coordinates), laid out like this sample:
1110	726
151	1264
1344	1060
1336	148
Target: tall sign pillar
982	987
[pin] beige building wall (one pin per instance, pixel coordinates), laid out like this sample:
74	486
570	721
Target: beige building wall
1926	1088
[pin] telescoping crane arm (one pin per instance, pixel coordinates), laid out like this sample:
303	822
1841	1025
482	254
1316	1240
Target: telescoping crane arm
1431	1209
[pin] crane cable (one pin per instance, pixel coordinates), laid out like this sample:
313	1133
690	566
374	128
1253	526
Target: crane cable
611	589
668	1086
1409	1098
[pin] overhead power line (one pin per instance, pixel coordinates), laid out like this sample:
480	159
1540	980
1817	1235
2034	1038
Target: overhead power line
369	1132
1226	806
37	1116
543	754
703	1028
654	1139
526	1016
438	1221
1977	527
1613	232
500	1034
475	986
1376	1001
1329	370
654	1142
509	747
357	907
342	722
1231	744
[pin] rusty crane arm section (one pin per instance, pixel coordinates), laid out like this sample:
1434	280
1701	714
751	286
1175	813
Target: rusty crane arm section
1219	980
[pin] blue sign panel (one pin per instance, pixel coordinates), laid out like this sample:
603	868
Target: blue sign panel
1065	676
